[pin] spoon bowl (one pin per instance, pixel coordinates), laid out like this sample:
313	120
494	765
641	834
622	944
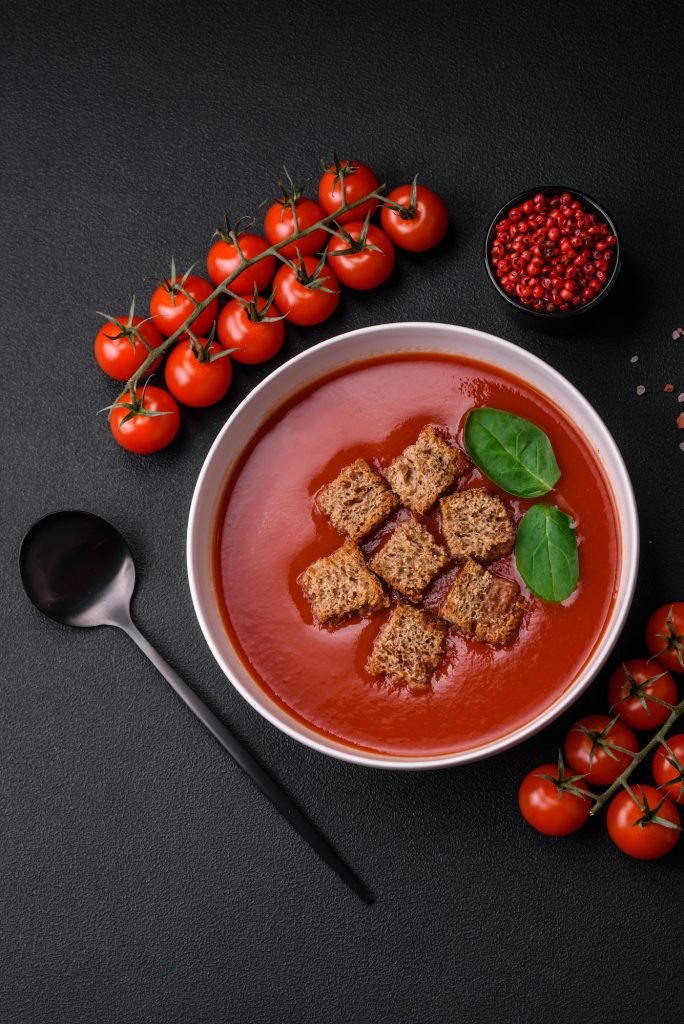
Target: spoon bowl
77	569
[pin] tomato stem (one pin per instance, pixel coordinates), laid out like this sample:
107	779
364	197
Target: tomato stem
224	286
641	755
405	212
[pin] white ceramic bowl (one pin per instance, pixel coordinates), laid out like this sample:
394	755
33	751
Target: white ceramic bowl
304	370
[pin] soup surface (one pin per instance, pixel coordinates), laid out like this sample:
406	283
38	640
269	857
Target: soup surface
268	531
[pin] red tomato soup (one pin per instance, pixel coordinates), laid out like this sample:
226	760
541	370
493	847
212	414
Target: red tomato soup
268	531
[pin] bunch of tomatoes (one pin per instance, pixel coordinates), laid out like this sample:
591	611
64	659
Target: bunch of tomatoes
295	273
643	820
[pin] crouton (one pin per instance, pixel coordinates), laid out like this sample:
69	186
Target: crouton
357	500
409	646
409	560
341	585
476	524
425	470
484	605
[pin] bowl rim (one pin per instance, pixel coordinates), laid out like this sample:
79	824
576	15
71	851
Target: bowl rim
627	517
562	314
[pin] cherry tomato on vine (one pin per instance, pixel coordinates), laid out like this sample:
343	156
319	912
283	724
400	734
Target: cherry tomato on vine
665	636
175	299
361	256
644	823
119	350
421	222
248	325
279	224
591	748
224	258
146	424
198	373
552	801
357	180
634	692
306	291
668	767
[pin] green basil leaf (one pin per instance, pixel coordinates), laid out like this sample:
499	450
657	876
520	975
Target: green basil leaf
512	452
546	552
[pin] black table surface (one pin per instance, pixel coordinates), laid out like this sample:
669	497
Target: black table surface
143	878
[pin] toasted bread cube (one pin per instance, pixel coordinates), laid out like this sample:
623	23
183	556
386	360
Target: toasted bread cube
410	560
341	585
409	647
476	524
425	470
484	605
357	500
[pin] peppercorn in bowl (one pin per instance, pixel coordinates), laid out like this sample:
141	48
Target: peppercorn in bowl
553	252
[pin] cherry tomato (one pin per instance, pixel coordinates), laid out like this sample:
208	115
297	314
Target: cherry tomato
423	222
665	636
590	748
634	691
668	768
120	352
223	258
152	428
306	292
198	381
171	308
635	823
279	224
251	329
551	801
361	268
358	181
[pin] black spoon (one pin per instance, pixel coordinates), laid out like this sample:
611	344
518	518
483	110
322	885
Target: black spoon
78	569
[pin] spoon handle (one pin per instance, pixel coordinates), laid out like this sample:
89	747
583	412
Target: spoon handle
250	765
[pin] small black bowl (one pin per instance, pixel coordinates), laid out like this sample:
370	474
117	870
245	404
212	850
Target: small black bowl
593	207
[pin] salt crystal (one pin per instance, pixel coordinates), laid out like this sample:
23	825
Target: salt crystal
681	446
634	359
680	398
641	390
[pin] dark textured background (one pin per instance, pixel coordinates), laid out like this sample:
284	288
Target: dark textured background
142	878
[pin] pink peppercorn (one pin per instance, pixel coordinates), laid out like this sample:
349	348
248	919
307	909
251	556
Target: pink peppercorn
551	253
